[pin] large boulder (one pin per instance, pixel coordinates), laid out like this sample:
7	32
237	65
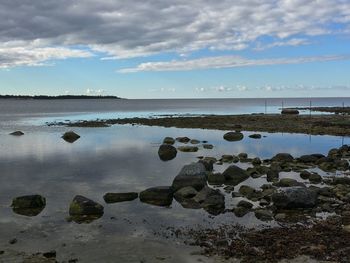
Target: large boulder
28	205
234	175
160	196
167	152
233	136
70	136
84	210
191	175
283	157
294	197
119	197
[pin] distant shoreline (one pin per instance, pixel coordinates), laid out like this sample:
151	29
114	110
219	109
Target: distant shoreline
59	97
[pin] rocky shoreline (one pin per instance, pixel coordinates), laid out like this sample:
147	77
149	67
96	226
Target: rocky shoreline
331	124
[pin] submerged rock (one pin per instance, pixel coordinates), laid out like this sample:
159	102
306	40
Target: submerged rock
194	141
294	197
213	201
191	175
255	136
233	136
208	146
188	148
160	196
17	133
84	210
29	205
119	197
70	136
167	152
169	140
183	139
234	175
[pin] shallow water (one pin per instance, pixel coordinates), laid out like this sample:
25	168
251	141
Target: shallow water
115	159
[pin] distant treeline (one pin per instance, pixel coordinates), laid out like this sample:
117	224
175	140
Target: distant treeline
60	97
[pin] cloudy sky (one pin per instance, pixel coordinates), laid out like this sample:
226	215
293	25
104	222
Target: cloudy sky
175	49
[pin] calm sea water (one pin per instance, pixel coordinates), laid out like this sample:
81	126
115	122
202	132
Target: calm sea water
117	159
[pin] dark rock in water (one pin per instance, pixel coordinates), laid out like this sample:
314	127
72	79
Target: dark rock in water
263	214
305	175
283	157
167	152
255	136
241	211
183	139
290	111
50	254
341	165
208	163
84	210
245	204
341	180
242	156
194	141
315	178
191	175
208	146
160	196
233	136
169	140
70	136
250	193
256	161
119	197
216	178
294	197
272	175
288	182
29	205
212	201
308	159
234	175
185	197
188	148
17	133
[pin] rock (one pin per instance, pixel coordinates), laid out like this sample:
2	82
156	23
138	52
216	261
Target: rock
208	146
326	166
169	140
308	159
341	180
226	158
185	193
246	190
236	194
256	161
209	164
183	139
160	196
263	214
315	178
13	241
216	178
290	111
17	133
241	211
167	152
245	204
305	175
213	201
341	165
294	197
234	175
29	205
233	136
70	136
194	141
50	254
288	182
84	210
272	175
242	156
188	148
120	197
255	136
280	216
191	175
283	157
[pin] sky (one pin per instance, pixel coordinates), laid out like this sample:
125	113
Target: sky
175	49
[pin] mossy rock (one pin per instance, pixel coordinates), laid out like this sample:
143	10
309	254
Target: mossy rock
29	205
84	210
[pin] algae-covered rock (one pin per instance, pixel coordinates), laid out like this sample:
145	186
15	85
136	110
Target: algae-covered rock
84	210
159	196
119	197
233	136
167	152
70	136
29	205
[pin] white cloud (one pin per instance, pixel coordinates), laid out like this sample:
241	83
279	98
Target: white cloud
97	92
290	42
224	62
124	29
